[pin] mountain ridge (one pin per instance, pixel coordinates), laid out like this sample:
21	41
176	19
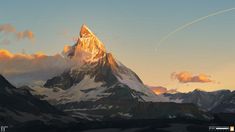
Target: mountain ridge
215	101
19	105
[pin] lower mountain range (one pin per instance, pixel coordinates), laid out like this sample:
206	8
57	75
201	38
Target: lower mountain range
217	101
22	110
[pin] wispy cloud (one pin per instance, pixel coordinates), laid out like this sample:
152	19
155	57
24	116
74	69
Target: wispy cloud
27	34
36	66
9	30
187	77
161	90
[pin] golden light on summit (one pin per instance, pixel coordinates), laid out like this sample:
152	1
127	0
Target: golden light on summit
89	44
85	31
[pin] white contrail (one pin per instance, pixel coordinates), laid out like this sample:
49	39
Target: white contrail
192	22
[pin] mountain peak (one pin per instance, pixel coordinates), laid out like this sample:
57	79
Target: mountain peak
4	83
85	31
2	79
88	46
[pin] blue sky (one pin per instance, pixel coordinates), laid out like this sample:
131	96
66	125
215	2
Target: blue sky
131	29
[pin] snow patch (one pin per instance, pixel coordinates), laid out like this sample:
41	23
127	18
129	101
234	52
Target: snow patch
125	114
86	90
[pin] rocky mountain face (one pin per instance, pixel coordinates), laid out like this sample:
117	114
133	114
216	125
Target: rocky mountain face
100	69
95	64
226	105
100	87
19	105
217	101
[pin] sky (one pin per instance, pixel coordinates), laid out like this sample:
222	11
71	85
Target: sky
198	56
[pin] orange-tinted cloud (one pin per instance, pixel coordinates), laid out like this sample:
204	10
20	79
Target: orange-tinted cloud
6	55
38	66
161	90
187	77
10	30
27	34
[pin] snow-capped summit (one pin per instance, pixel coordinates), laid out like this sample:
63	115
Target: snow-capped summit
88	47
85	31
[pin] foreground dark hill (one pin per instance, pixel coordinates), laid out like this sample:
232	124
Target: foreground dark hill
19	105
131	125
21	112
